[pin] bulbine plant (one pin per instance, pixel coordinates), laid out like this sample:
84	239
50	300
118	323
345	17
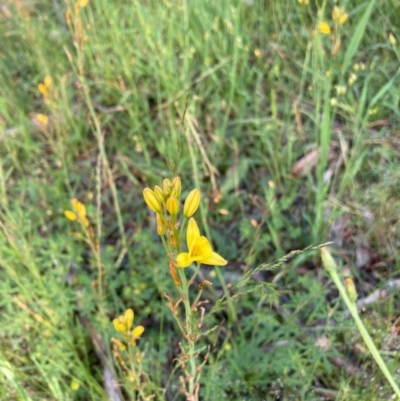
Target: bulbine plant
164	201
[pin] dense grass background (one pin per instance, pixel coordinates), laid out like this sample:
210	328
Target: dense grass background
291	146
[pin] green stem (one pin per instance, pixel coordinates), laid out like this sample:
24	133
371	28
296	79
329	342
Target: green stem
330	265
189	333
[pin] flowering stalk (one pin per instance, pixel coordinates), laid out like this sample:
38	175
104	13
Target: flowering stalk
164	201
78	214
127	349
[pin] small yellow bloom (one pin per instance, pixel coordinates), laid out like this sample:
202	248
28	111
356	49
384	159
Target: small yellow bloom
70	215
191	203
324	28
172	206
152	200
303	1
199	248
44	88
78	213
42	118
124	322
339	15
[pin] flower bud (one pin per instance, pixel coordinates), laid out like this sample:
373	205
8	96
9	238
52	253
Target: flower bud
350	289
159	193
176	187
172	206
137	332
151	200
191	203
160	225
166	186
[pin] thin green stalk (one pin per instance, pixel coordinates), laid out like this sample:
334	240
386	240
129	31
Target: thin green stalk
330	265
189	333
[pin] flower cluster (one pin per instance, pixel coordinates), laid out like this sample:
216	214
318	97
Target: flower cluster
123	324
164	201
78	213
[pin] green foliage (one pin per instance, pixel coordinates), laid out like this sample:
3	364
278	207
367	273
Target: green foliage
232	96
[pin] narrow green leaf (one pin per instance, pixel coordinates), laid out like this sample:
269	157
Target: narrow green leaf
357	36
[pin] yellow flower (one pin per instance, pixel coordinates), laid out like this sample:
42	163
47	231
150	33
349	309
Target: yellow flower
303	1
339	15
151	200
200	249
124	323
78	213
44	88
42	118
191	203
324	28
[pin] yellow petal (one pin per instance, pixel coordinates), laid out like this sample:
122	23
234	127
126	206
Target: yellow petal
79	207
137	332
324	28
343	18
200	249
43	89
70	215
119	324
128	316
42	118
215	260
192	232
183	260
47	81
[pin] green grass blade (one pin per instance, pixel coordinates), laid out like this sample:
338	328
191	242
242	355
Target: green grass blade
357	36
